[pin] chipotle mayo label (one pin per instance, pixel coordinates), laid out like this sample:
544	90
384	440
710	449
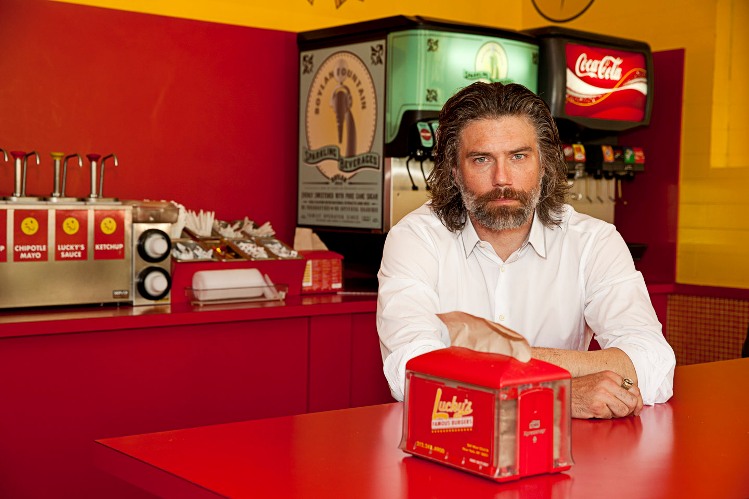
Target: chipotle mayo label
109	235
30	236
71	235
604	83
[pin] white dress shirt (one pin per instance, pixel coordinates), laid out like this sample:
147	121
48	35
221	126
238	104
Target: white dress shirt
563	286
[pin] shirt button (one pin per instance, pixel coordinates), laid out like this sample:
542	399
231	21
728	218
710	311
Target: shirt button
501	317
502	268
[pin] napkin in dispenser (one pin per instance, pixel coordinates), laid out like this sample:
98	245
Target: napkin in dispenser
488	413
231	284
482	335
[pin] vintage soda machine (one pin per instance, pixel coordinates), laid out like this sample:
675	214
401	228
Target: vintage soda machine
597	87
370	95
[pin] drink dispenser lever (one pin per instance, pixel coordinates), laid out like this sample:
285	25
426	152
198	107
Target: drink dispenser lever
101	177
421	144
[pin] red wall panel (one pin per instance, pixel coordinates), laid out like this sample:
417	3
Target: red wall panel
202	113
649	210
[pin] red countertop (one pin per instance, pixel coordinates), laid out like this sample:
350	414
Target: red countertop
61	320
31	322
696	445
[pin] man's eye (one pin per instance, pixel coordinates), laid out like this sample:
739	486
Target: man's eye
480	159
518	156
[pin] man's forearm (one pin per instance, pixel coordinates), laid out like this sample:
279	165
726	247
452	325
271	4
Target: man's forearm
584	363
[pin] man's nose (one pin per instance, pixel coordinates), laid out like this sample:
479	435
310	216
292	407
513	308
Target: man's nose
502	174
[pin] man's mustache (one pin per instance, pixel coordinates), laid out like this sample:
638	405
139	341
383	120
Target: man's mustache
504	193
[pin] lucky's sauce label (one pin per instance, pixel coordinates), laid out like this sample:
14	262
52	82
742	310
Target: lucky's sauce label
30	236
603	83
3	235
109	234
71	235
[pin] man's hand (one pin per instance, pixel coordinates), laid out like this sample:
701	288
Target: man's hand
600	395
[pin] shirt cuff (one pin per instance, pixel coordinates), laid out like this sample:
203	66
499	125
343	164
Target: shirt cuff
394	365
655	371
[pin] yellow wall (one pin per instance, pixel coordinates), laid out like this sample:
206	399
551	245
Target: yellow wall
730	129
713	233
302	15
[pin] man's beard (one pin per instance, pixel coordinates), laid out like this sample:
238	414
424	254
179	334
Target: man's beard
500	217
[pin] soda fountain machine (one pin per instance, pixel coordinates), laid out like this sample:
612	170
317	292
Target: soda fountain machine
597	87
370	96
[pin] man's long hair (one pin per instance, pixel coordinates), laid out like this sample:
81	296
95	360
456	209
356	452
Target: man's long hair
486	101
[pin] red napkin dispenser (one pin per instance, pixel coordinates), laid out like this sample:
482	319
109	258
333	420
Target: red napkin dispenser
487	414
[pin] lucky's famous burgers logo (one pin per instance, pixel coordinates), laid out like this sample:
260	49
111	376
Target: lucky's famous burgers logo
451	414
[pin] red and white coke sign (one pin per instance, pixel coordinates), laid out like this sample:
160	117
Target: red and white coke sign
426	135
606	84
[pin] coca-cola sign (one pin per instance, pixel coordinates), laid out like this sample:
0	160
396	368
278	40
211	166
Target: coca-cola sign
606	84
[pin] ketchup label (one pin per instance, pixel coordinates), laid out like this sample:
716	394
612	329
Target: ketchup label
109	234
71	235
30	236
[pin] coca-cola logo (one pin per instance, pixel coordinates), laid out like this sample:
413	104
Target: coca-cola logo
605	83
606	68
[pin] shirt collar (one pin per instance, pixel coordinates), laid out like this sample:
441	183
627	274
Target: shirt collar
469	236
536	237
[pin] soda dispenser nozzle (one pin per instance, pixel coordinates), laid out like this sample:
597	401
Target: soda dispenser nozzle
426	182
414	187
420	148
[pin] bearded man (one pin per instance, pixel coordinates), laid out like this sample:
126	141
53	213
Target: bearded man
496	240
